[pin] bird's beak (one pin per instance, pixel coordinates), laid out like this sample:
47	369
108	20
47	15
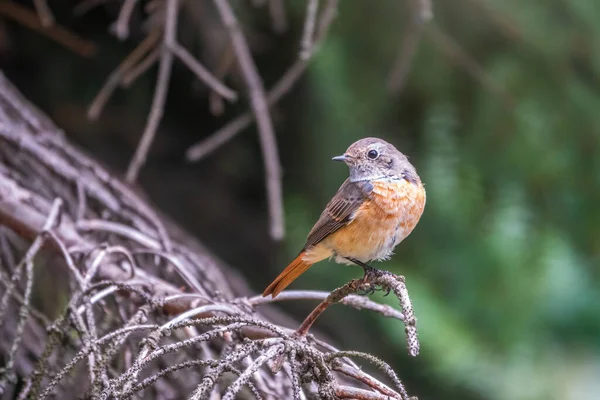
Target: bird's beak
343	157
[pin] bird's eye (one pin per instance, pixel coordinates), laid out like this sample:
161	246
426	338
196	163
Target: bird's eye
372	154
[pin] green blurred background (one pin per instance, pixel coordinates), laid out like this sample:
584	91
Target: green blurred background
500	113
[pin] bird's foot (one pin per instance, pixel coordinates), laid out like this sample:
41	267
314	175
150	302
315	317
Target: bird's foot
365	287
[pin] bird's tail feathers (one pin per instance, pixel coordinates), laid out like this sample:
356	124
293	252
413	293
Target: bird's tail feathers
287	276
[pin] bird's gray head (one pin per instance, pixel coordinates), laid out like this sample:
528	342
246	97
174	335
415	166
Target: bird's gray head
373	158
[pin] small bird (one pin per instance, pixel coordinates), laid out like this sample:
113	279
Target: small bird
376	208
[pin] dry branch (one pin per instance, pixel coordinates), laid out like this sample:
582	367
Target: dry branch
127	329
43	22
280	89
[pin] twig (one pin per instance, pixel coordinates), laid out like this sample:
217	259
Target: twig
55	32
348	392
366	379
153	246
243	379
121	27
419	13
374	278
202	73
142	67
312	6
115	78
260	107
227	59
358	302
278	16
380	364
460	57
424	9
280	89
44	12
27	262
160	92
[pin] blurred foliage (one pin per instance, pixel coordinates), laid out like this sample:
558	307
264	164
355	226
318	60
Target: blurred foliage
503	267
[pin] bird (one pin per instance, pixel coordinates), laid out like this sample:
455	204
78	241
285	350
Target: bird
375	208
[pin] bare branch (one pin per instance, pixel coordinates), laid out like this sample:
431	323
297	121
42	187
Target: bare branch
121	27
44	12
53	217
115	78
141	68
278	15
419	12
312	6
358	302
281	88
55	32
261	111
460	57
202	73
372	279
160	92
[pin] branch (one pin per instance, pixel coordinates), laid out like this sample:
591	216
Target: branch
457	55
373	280
358	302
280	89
160	93
420	12
124	273
260	108
46	26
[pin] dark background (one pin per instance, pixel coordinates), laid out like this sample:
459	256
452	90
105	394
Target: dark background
499	113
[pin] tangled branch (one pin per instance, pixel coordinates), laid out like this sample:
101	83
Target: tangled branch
128	328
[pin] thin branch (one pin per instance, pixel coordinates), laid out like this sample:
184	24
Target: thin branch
115	78
312	6
141	68
62	36
419	12
121	27
424	9
27	262
44	12
280	89
160	93
278	15
460	57
373	279
260	107
202	73
366	379
358	302
225	63
348	392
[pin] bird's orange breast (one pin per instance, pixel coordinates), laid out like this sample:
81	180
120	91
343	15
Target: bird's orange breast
387	217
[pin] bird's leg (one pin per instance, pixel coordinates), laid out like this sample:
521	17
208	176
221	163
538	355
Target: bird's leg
369	270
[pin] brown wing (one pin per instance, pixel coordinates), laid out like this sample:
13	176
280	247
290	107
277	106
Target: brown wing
340	210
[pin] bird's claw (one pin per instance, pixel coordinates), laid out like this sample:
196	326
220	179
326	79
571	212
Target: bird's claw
367	289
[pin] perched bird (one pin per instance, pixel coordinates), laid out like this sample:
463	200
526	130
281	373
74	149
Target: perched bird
375	209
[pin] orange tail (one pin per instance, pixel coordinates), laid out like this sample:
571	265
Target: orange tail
289	275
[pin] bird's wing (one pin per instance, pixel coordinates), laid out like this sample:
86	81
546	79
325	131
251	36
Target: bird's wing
340	210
